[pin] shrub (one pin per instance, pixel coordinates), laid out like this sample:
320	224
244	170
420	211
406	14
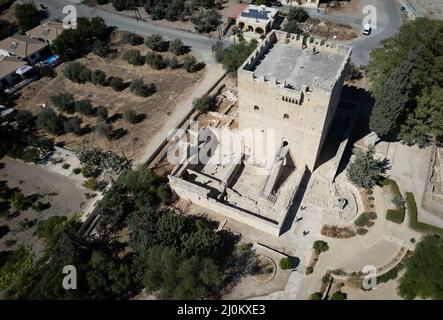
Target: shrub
27	15
130	116
338	296
76	170
88	172
140	89
84	107
315	296
190	64
207	21
102	113
98	77
397	215
132	38
204	103
285	263
19	201
72	125
64	102
390	275
309	270
117	84
30	155
362	231
176	47
77	72
48	120
155	60
66	166
100	48
155	42
134	57
174	64
364	219
91	184
105	129
320	246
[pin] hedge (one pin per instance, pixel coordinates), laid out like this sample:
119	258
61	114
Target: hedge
413	222
394	215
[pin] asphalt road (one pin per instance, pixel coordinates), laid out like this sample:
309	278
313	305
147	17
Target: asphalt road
201	45
388	22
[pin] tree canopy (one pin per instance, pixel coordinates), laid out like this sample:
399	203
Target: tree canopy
415	120
365	171
424	271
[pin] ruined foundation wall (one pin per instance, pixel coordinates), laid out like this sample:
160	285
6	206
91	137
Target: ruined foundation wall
199	196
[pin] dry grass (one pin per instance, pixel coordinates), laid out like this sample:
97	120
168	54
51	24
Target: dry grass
173	86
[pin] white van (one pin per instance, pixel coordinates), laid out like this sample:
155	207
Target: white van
367	29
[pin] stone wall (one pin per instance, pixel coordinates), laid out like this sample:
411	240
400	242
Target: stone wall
200	196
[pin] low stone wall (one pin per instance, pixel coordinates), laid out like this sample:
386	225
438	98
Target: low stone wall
200	196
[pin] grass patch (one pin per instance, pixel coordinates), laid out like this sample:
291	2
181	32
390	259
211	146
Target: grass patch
413	222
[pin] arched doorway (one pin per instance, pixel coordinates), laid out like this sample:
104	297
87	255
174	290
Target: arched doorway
251	28
259	30
241	25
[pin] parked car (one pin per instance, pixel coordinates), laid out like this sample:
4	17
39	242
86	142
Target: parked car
367	29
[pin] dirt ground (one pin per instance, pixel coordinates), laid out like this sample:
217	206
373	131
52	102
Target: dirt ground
326	29
172	88
345	7
64	195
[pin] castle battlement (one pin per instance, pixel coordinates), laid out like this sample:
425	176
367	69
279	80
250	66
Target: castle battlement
294	62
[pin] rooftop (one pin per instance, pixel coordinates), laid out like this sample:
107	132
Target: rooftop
257	13
297	66
48	31
22	46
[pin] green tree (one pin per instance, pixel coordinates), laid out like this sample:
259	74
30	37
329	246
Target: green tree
140	89
73	124
17	263
415	125
27	15
177	47
207	21
365	171
134	57
102	113
84	107
204	103
424	273
5	29
64	102
114	208
107	277
117	84
48	120
235	55
130	116
98	77
391	102
320	246
425	123
155	42
105	129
